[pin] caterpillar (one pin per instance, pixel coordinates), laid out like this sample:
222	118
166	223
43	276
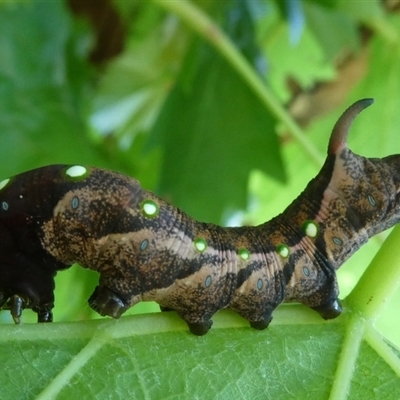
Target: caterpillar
146	249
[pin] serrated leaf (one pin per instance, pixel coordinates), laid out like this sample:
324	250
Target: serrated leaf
325	21
379	133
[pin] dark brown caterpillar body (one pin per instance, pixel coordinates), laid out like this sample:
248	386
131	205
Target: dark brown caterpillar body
146	249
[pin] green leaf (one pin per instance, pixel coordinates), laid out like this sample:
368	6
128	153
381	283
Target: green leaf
362	11
284	57
43	105
224	133
379	133
325	21
41	98
153	356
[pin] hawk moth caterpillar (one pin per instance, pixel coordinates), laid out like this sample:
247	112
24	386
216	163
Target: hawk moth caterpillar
146	249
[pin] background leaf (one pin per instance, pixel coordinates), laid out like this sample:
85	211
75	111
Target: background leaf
199	100
220	112
43	84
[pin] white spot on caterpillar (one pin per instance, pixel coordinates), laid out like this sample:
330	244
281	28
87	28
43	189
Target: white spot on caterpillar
208	281
310	229
4	183
4	205
306	271
200	244
149	208
76	171
260	284
283	250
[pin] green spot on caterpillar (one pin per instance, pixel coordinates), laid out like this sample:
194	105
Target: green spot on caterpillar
4	205
283	250
260	284
244	254
200	244
76	172
75	203
208	281
310	228
4	183
306	271
149	208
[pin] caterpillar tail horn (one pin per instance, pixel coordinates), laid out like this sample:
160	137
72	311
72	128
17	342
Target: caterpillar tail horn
338	140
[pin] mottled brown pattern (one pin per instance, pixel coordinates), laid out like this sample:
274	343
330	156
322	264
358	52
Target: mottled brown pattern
146	249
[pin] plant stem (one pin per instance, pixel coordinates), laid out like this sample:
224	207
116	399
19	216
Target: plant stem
348	358
203	25
65	375
376	341
380	280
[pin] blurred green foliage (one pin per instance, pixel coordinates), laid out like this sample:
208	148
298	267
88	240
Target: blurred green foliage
173	110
